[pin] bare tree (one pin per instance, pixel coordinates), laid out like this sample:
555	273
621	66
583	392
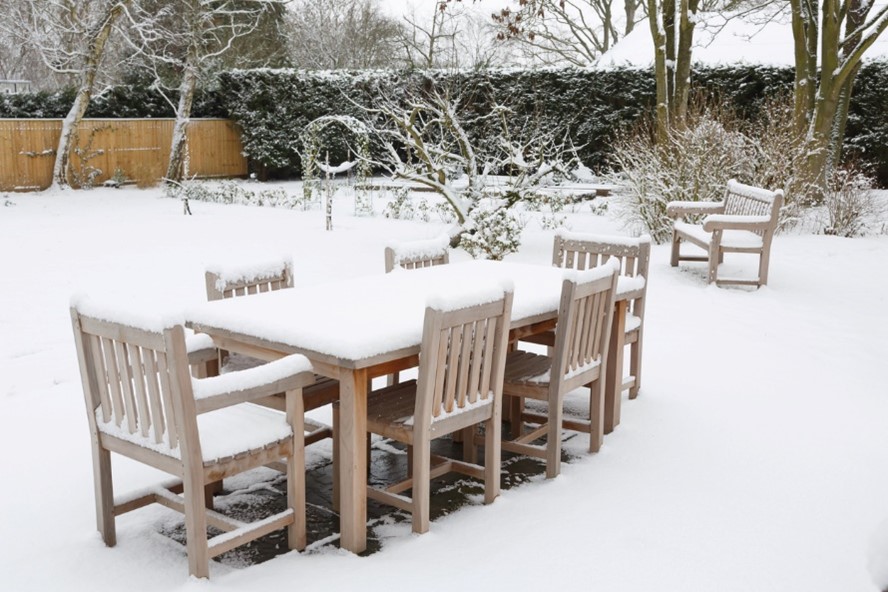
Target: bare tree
429	41
340	34
70	38
183	40
572	31
829	47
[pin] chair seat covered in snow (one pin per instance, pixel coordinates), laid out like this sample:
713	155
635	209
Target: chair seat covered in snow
743	222
143	403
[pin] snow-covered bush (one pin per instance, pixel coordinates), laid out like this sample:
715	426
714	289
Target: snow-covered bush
231	192
492	230
693	165
851	206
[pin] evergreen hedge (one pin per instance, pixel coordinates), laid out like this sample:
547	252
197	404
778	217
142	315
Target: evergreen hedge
274	106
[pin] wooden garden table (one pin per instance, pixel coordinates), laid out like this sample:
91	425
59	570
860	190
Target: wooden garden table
358	328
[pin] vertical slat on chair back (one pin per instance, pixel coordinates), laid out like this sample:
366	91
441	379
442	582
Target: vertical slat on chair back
584	322
747	200
417	254
127	379
260	281
463	353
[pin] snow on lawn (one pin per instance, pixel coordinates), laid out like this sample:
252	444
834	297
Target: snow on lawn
755	458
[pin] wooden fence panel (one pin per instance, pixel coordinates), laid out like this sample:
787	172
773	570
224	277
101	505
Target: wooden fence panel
138	148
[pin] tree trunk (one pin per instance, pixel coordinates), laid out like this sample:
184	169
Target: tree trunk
630	7
176	167
98	37
805	37
687	21
660	71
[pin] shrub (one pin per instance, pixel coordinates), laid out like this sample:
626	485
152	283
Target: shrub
851	205
492	230
693	165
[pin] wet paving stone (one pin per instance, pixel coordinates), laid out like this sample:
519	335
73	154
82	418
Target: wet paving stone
265	495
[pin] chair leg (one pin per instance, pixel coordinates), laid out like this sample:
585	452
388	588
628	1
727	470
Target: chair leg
635	365
676	246
422	458
296	537
516	409
336	459
104	490
196	525
210	490
596	415
492	458
470	451
763	269
553	436
714	257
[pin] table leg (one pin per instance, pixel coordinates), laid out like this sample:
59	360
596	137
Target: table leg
353	460
613	384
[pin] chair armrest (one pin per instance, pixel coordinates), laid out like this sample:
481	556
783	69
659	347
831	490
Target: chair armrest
289	373
735	222
200	347
674	209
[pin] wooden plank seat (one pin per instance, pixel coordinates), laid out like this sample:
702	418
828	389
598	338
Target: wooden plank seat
143	403
230	281
459	386
580	354
743	222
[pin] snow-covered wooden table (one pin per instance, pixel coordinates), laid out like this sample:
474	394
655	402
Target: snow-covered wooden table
364	327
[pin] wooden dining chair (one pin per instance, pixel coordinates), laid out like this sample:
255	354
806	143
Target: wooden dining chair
236	281
459	385
579	358
417	254
143	403
584	251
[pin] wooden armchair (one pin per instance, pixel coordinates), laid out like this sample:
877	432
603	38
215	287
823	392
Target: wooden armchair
580	355
459	386
233	282
584	251
743	222
416	254
143	403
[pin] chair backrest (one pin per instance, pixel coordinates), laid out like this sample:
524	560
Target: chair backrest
463	353
585	251
136	380
584	322
228	282
416	254
746	200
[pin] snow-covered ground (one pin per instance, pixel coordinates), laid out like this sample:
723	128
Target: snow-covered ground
755	458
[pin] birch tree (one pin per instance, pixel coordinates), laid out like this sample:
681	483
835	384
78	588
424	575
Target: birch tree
829	48
183	40
70	37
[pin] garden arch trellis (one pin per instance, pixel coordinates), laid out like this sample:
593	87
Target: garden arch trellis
312	146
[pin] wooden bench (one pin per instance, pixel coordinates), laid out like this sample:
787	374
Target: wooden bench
743	222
